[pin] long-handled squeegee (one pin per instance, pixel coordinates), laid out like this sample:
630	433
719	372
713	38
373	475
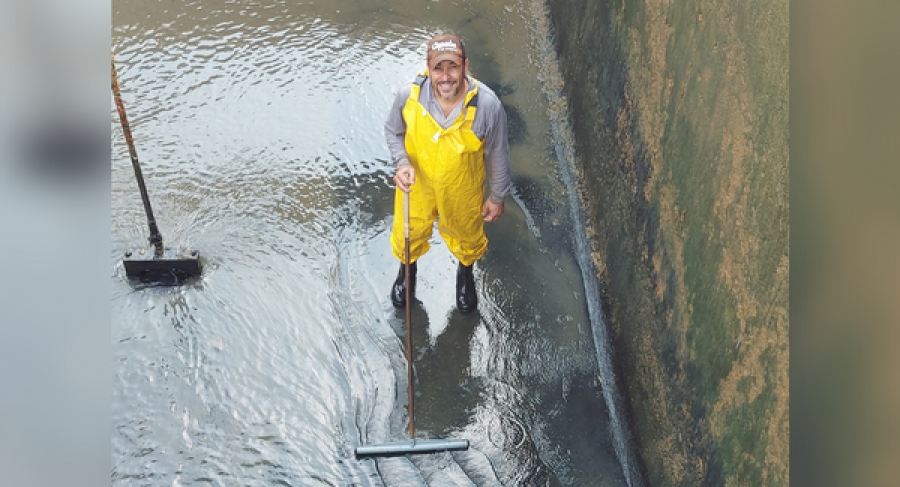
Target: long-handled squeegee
162	266
413	445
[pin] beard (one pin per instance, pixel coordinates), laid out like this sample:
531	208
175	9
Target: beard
452	94
449	95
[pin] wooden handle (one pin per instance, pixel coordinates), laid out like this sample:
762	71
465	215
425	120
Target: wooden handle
409	342
155	236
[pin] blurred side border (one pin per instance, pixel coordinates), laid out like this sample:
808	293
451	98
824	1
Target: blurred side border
845	229
55	233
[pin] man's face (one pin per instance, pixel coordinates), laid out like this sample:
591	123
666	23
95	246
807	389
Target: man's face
447	79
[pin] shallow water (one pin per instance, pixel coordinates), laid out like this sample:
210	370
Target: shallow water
259	129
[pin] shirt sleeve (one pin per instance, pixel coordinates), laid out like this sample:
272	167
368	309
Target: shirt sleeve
395	129
496	150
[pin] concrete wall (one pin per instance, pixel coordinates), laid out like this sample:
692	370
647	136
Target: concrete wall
680	117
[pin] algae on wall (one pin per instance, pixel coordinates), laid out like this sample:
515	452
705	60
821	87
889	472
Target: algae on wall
680	117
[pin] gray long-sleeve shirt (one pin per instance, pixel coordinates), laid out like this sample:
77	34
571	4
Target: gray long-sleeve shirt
489	126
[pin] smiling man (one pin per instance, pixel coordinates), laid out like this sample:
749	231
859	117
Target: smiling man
446	132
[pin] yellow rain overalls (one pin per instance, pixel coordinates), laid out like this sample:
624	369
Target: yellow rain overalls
449	183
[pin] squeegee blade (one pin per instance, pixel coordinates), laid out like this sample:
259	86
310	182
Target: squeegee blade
173	268
413	446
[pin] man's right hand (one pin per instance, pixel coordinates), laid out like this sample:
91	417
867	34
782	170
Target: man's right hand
404	178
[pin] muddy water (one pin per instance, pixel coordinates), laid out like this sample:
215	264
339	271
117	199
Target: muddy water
259	128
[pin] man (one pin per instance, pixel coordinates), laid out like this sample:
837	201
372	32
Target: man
446	132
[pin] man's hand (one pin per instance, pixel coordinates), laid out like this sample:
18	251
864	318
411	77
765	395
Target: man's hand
491	210
405	177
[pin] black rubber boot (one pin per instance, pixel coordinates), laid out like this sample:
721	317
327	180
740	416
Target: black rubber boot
466	299
398	290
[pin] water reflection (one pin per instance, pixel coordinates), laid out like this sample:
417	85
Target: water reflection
259	128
